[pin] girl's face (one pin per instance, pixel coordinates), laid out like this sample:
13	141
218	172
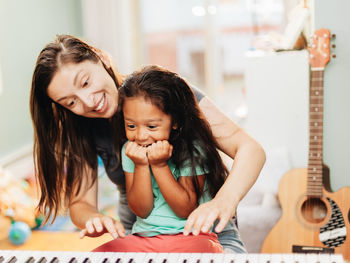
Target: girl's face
85	88
145	123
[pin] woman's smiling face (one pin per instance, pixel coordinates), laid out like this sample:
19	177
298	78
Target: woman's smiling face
85	88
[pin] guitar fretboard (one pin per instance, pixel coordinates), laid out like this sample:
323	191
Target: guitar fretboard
314	184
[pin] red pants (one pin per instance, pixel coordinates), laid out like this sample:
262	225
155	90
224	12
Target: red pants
164	243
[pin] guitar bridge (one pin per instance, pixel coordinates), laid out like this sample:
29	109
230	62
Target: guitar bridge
312	249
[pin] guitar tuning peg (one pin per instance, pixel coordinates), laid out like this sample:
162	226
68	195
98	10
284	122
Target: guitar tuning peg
333	35
334	55
334	45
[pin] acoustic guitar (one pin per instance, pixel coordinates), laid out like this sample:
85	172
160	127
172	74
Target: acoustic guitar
314	219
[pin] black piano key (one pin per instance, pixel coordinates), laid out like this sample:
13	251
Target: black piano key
1	259
87	260
42	260
73	260
198	261
106	260
12	260
212	261
54	260
150	260
119	260
131	260
164	260
30	260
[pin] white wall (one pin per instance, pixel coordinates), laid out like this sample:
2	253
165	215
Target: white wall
334	15
25	27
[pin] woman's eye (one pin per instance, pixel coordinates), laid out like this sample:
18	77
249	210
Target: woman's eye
71	103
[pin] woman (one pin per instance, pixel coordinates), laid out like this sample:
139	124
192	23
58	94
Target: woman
74	98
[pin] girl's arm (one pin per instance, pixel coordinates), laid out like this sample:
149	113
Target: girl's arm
84	212
179	195
138	184
249	158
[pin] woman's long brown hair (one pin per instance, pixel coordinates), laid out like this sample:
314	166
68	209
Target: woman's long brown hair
63	142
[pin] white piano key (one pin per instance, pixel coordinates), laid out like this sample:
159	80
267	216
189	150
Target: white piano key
116	257
138	257
288	258
212	257
162	258
312	258
150	258
4	254
299	258
183	257
172	258
194	258
264	258
252	258
336	258
324	258
276	258
229	258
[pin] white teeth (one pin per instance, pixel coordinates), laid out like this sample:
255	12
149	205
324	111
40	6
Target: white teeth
101	104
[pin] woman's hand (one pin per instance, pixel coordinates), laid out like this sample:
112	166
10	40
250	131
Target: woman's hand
204	216
137	153
158	153
97	226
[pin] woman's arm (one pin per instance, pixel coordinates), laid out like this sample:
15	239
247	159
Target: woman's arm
249	158
84	213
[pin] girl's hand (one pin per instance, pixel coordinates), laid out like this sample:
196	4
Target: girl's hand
159	152
137	153
97	226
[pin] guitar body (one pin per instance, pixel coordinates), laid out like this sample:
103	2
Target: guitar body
318	222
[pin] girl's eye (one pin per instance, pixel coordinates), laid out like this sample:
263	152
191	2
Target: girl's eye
152	126
86	83
131	126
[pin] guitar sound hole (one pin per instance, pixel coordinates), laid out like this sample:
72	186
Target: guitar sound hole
314	210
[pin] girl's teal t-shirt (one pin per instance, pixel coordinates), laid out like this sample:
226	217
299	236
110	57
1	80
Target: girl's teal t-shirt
162	219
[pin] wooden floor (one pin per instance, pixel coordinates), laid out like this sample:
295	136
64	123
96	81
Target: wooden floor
56	241
51	241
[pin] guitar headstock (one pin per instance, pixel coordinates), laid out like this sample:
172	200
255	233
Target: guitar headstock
319	48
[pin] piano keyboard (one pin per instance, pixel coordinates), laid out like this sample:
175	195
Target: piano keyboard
20	256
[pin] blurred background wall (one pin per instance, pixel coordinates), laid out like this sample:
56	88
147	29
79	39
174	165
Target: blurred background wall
207	42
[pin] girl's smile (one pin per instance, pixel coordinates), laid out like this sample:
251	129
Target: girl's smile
145	123
85	88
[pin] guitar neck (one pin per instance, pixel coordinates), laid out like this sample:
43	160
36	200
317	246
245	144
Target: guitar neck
315	163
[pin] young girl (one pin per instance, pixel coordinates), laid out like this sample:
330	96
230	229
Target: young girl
170	162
